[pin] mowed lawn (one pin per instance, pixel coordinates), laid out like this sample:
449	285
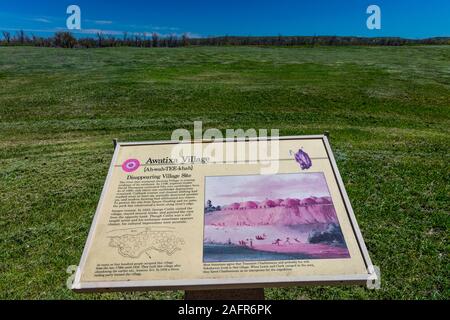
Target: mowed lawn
387	110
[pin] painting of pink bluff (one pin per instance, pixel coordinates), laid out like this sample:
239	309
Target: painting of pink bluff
270	217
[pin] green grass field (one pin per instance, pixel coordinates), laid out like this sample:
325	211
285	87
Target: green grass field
387	110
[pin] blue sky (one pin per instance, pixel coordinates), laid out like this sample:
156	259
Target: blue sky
404	18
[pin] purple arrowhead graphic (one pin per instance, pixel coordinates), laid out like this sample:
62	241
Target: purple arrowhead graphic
303	159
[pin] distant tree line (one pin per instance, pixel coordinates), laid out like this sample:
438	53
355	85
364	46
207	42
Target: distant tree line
100	40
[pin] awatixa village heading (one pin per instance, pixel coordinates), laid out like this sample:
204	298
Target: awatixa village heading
184	159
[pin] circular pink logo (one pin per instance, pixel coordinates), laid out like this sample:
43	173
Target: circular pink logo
131	165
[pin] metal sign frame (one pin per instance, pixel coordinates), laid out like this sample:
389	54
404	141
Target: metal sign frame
230	283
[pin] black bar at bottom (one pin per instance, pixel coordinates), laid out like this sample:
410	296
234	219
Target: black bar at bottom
228	294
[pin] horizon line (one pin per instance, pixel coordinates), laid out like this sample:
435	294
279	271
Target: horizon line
86	33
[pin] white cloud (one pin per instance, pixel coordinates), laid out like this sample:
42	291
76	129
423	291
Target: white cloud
102	22
164	28
95	31
43	20
31	30
193	35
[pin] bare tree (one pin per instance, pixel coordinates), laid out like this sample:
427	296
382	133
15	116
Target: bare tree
155	39
21	37
7	37
185	39
99	39
64	40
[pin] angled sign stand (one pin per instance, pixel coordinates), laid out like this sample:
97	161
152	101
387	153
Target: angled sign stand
197	223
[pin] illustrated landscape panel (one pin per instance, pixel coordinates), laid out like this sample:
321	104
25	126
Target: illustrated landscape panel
270	217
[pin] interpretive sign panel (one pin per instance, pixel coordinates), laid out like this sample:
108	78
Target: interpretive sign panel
188	215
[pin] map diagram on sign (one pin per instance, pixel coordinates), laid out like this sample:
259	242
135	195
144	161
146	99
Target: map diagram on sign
132	243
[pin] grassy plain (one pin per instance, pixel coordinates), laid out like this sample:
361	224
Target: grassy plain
387	109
